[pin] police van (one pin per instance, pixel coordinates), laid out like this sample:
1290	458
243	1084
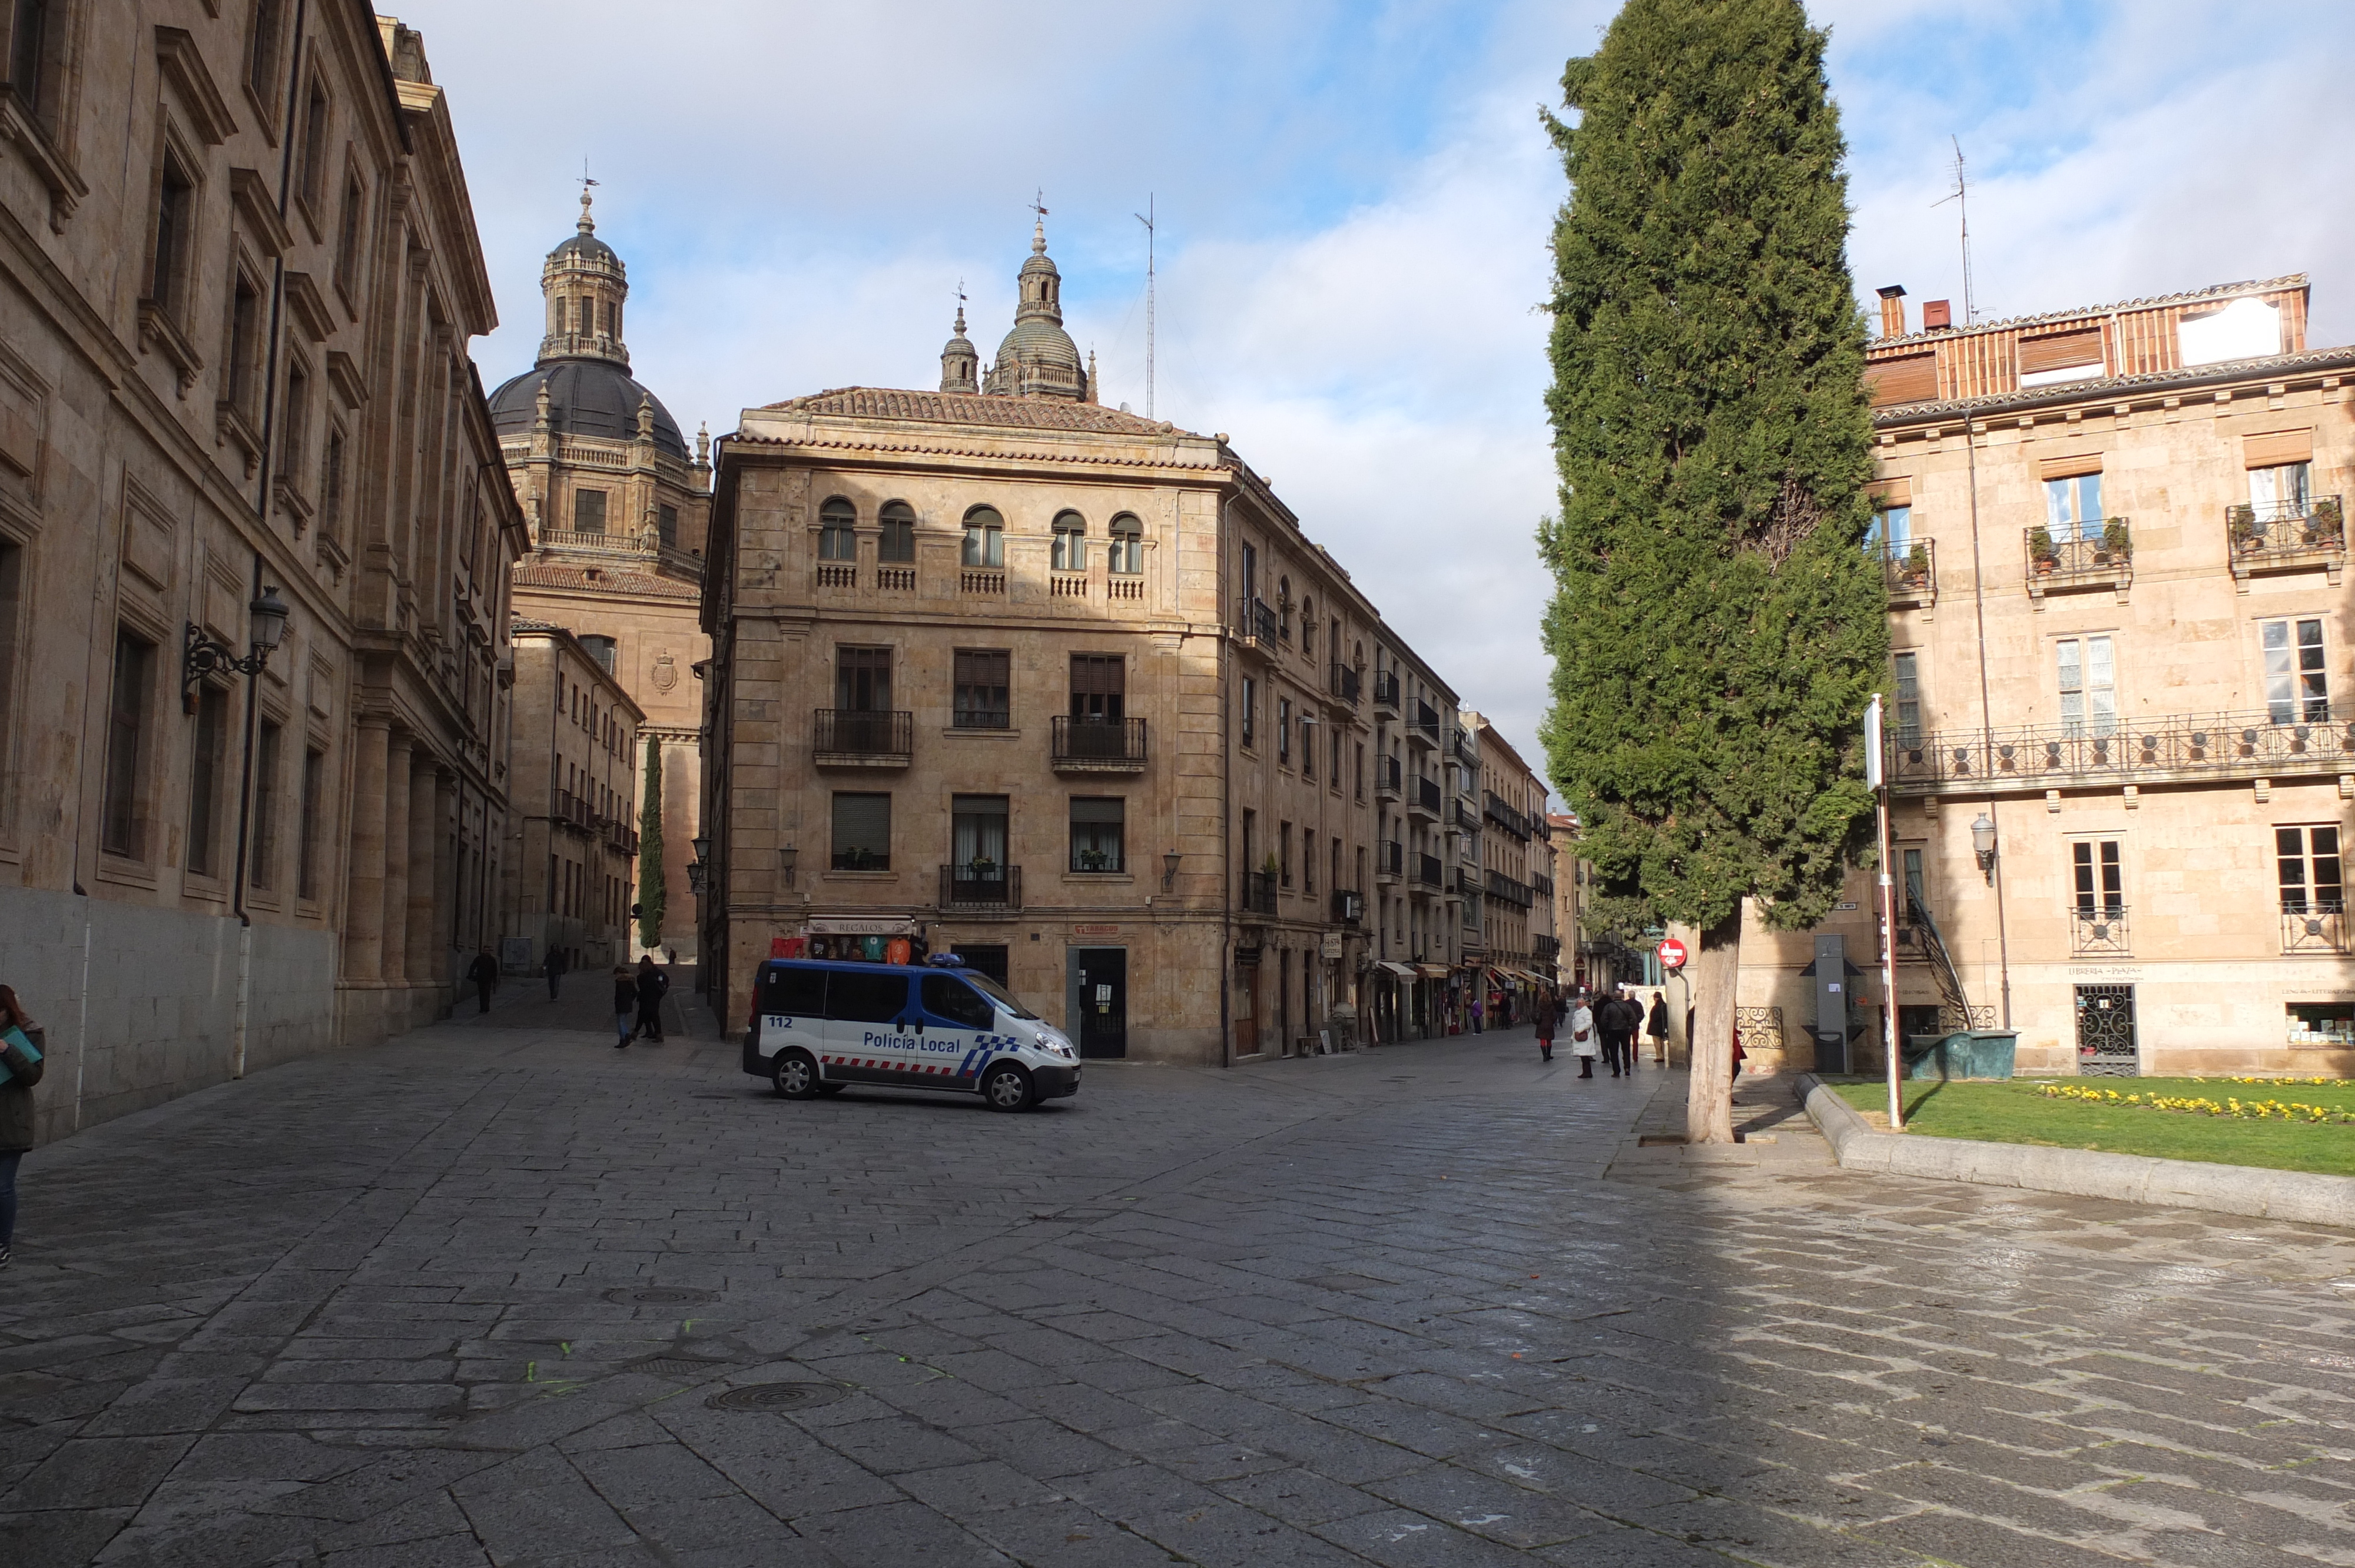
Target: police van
819	1026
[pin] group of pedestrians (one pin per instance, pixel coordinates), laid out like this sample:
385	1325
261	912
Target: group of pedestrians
638	1002
1608	1027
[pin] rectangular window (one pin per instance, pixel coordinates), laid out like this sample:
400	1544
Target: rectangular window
862	680
2072	507
121	822
1283	851
261	55
28	56
314	788
862	833
347	238
982	689
314	145
1284	729
1251	711
2089	699
2297	683
264	860
977	836
589	511
1359	776
2308	863
204	782
2281	492
1251	571
1893	529
1097	687
666	525
1908	684
1333	774
2099	880
244	343
294	441
12	592
175	205
1096	834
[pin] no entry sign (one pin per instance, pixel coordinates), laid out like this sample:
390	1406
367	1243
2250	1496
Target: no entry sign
1672	954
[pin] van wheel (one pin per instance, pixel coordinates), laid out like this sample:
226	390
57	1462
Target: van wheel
794	1074
1006	1088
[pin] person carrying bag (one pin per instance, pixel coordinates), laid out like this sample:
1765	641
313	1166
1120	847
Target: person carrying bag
1582	1038
23	1070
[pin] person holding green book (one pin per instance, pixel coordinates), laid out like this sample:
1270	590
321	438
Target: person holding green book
16	1107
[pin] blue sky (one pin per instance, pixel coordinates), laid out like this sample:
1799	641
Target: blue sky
1354	201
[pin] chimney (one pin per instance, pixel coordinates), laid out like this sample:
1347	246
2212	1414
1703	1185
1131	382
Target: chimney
1937	315
1892	310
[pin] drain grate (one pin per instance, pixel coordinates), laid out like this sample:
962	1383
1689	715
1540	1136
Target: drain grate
1657	1139
680	1366
657	1295
777	1396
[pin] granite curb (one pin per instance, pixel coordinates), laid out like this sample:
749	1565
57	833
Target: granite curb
2084	1172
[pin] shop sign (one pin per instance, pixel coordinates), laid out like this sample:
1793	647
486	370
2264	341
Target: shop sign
1332	946
1095	930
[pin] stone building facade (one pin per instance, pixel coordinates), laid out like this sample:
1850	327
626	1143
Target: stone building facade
2121	753
240	273
1428	939
618	509
575	803
1515	882
1063	689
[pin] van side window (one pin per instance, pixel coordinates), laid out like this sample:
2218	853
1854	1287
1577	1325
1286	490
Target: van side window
947	997
856	998
795	993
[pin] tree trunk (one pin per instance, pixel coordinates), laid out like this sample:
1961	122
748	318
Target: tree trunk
1708	1093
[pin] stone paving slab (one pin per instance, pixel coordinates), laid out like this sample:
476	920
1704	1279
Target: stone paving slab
468	1299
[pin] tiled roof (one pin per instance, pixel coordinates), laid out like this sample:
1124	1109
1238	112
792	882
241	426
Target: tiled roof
618	581
971	408
2112	386
2079	312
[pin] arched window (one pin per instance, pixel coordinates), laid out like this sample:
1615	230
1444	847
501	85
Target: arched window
1308	627
985	538
1127	546
1071	543
835	542
899	540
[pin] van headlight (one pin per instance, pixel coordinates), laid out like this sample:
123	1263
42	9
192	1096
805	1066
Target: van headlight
1054	1047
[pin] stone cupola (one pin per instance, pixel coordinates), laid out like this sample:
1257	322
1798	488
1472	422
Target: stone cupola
1037	358
585	284
960	361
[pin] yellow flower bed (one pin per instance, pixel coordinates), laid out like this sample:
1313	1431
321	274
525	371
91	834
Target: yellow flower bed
2244	1110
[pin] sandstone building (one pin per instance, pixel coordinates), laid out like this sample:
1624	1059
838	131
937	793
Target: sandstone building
618	509
1515	881
1427	910
1061	689
241	272
2114	546
575	816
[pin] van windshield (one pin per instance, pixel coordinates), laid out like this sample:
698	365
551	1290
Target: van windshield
998	993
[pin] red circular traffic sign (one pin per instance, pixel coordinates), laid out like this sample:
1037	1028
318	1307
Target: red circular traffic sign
1672	954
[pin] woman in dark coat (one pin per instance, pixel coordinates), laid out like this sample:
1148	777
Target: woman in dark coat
1547	1013
652	984
15	1109
1656	1026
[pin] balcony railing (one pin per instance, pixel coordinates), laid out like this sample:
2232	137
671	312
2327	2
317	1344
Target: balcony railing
1426	722
1255	624
1509	890
1467	883
1387	777
1098	745
1390	859
1428	873
2097	931
1909	571
1349	907
1545	949
981	886
2286	535
851	738
1426	796
1345	683
2320	928
2100	556
1460	743
1506	817
1259	892
2165	750
1466	817
1386	689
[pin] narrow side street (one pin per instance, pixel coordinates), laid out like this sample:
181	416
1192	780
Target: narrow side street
504	1296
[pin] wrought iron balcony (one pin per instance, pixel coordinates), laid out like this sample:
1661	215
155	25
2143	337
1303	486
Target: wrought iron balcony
1467	883
980	884
1098	745
1390	859
1910	572
1386	689
1255	626
1387	777
1426	724
2101	557
1425	798
1466	817
2320	927
1259	892
1428	873
1348	907
2179	748
1509	890
1345	684
1460	743
2098	931
2285	535
852	737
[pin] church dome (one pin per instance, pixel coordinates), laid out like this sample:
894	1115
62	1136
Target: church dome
592	398
1037	358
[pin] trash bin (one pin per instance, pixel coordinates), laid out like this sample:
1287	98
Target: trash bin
1965	1053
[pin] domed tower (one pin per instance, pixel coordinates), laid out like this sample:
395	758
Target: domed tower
584	283
960	361
1039	359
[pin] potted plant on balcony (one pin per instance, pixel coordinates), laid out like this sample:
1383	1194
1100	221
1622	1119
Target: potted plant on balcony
2039	550
2117	543
2241	524
1917	565
2326	525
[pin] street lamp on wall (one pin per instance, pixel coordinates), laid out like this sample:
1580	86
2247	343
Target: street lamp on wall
785	858
701	846
1169	870
203	655
1983	845
695	878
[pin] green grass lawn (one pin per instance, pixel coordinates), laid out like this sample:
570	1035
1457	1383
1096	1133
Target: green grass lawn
2015	1112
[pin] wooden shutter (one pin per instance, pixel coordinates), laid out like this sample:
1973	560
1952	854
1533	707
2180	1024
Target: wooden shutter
2060	350
1098	675
2070	467
1905	379
1888	492
2276	447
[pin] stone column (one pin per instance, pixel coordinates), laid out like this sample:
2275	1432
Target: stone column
394	910
363	883
426	961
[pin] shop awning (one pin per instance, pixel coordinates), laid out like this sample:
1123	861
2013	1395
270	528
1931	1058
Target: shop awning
1533	979
1405	971
1434	972
1504	977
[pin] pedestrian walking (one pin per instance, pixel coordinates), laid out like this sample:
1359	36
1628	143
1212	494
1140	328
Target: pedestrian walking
484	973
652	983
1475	1012
625	1006
1656	1026
553	967
16	1108
1547	1013
1581	1038
1607	1025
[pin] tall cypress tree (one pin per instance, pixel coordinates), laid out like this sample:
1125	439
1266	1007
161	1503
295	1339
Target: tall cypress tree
1716	629
650	848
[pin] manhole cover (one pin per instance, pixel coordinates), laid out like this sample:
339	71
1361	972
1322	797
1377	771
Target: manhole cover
777	1397
680	1366
657	1295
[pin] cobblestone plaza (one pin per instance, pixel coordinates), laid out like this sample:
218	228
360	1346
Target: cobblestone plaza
488	1295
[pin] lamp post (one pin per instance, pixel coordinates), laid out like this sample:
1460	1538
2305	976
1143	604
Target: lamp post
204	655
1169	870
1983	845
786	858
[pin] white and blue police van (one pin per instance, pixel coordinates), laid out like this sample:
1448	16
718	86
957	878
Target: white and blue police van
820	1025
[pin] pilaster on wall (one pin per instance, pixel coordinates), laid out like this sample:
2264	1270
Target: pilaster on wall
393	908
364	928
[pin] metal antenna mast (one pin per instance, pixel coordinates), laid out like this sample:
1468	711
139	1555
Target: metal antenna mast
1960	196
1146	217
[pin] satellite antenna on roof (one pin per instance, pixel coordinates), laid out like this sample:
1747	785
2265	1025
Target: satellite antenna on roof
1146	217
1960	196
